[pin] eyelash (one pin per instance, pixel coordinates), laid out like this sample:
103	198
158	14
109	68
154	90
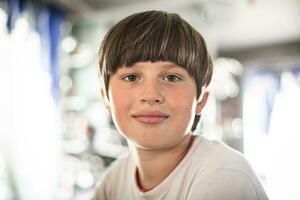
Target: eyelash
178	78
125	78
165	77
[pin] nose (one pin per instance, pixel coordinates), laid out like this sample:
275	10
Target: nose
151	93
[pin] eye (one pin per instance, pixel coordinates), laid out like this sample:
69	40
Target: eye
172	78
130	77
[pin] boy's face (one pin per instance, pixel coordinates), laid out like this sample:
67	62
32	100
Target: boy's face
153	104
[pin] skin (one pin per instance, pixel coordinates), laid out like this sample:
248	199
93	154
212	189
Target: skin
153	105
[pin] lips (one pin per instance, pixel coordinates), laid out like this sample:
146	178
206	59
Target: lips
150	117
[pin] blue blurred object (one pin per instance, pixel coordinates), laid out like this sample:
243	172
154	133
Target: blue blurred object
50	23
261	85
14	9
49	20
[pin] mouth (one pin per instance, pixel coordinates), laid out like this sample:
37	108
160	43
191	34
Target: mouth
150	117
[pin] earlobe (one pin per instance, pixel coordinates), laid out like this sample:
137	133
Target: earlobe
202	102
106	101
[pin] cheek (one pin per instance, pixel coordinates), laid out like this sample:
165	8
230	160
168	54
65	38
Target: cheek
186	111
183	100
184	104
121	103
185	108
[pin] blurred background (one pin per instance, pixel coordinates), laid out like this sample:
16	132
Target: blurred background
56	140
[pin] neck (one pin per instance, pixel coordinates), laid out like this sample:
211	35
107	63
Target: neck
154	166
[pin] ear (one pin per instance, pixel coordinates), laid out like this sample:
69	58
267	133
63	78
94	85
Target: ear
202	102
106	101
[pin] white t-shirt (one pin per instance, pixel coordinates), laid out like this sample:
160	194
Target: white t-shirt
209	171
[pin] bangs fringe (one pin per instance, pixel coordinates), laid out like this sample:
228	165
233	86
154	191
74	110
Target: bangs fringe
163	39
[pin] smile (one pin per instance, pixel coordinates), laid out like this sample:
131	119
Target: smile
150	117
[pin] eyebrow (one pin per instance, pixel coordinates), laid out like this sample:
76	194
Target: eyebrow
170	65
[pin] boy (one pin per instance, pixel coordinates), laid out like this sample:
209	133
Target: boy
155	69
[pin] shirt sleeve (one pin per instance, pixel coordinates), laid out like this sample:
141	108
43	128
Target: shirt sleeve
228	184
104	186
111	181
101	193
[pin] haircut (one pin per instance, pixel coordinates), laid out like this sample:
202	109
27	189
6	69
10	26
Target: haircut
155	36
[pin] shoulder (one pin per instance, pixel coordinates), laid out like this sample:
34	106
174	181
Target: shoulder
115	176
124	162
228	184
225	171
221	156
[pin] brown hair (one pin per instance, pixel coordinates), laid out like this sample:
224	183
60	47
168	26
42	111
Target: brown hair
156	36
